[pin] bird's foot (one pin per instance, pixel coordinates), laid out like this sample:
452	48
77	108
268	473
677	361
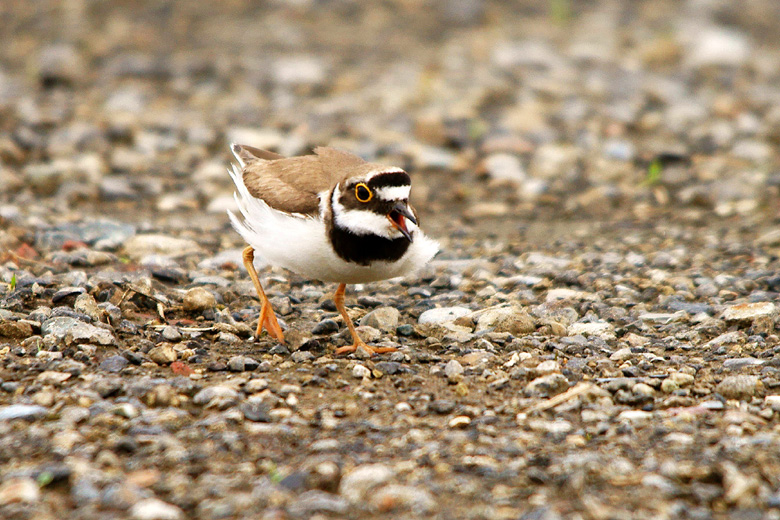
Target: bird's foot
268	322
368	348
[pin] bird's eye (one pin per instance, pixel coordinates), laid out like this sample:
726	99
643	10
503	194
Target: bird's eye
363	192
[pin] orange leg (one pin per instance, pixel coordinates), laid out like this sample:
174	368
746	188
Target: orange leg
338	299
267	318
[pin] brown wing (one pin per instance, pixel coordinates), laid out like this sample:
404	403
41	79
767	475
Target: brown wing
292	184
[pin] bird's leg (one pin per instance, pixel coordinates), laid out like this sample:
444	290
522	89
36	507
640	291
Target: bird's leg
338	299
267	318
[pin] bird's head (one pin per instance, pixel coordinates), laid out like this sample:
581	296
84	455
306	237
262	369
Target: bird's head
375	204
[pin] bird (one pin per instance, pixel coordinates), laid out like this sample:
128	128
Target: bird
329	216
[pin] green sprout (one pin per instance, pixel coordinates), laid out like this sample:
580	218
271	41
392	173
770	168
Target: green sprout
45	478
654	171
13	282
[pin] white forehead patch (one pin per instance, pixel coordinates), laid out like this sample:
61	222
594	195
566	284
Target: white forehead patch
393	192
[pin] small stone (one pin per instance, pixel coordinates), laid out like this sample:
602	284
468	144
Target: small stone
547	386
242	364
396	497
326	326
312	502
682	379
256	409
389	367
19	490
459	421
773	401
668	386
22	411
15	330
453	369
356	485
514	320
85	303
750	311
218	396
360	372
198	299
171	334
643	390
442	406
163	354
740	387
73	331
382	318
603	330
442	315
155	509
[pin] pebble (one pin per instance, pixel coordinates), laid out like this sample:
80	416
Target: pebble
242	364
73	331
382	318
399	498
605	331
155	509
356	484
514	320
547	386
453	369
326	326
114	364
360	372
163	354
750	311
442	315
314	501
22	411
739	387
217	396
19	490
198	299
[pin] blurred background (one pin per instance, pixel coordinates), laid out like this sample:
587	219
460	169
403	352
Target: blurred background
506	112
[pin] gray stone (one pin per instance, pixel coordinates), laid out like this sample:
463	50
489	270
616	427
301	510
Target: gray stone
27	412
326	326
217	396
356	484
453	369
316	501
547	386
73	331
382	318
114	364
740	387
242	364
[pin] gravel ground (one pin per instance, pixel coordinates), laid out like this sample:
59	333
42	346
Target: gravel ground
596	339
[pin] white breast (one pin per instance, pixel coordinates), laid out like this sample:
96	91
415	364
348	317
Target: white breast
300	243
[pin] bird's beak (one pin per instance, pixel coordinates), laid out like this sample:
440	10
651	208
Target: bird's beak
398	216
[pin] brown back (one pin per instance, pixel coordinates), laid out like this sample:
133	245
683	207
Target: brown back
292	184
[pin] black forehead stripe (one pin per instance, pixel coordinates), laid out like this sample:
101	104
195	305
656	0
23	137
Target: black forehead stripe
383	180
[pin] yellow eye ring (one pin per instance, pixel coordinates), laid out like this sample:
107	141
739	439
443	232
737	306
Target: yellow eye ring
363	193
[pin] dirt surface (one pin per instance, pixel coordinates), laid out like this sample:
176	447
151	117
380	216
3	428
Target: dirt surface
595	340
